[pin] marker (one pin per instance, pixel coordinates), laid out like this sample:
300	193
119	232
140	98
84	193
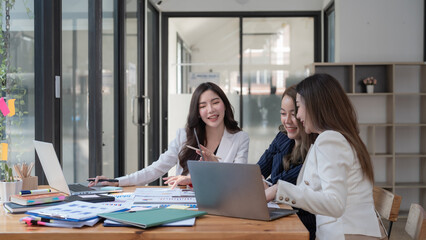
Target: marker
38	191
269	184
102	180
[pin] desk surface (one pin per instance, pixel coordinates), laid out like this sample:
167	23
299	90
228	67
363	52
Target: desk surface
206	227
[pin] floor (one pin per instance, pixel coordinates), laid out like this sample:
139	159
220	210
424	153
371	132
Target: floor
398	229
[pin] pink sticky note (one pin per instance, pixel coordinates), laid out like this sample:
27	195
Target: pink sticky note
3	107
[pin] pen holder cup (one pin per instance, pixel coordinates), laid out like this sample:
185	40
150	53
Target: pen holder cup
30	183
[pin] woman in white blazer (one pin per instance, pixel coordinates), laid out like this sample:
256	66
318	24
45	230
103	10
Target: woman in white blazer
336	180
211	115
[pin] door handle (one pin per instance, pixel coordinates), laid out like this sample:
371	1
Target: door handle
148	110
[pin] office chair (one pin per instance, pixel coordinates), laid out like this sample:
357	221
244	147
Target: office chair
416	222
387	205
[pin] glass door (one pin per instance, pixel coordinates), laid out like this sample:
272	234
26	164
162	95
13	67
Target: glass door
275	54
142	86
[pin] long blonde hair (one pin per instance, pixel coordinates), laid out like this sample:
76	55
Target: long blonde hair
298	154
329	108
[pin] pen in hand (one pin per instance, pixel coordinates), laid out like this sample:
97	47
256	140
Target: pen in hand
102	180
269	184
193	148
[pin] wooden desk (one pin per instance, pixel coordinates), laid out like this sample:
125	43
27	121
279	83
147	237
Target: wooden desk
206	227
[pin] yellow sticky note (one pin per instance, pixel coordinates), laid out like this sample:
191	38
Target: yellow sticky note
11	106
4	151
183	207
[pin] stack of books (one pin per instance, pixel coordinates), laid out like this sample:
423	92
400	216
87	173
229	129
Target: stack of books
33	199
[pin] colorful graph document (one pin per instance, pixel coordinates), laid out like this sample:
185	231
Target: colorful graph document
75	211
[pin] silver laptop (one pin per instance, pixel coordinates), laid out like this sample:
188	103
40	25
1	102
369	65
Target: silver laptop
53	171
232	189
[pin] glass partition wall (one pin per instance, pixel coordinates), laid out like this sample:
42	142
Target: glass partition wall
275	52
75	68
75	90
18	130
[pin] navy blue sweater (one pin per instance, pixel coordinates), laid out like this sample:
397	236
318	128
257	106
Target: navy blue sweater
271	163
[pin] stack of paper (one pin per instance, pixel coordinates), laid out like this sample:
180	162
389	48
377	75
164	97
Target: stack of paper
164	196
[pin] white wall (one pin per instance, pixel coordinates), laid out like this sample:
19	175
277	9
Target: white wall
237	5
366	30
379	30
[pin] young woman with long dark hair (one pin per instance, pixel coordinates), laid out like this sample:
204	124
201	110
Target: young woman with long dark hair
211	115
336	181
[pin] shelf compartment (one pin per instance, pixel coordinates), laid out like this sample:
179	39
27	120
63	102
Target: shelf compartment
342	73
372	108
410	140
410	78
410	109
410	171
410	195
383	171
383	74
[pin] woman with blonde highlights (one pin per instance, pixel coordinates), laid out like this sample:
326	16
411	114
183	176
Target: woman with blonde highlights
285	155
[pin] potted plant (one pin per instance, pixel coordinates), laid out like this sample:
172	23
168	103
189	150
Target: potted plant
8	185
369	83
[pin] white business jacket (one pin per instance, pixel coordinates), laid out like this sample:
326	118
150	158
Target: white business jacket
232	148
332	186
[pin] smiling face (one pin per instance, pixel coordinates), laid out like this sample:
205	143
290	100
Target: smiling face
288	117
303	116
211	109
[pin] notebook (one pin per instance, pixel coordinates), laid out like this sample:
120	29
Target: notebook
53	171
152	217
232	189
16	208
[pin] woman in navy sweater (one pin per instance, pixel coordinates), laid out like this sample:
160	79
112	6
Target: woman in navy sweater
284	157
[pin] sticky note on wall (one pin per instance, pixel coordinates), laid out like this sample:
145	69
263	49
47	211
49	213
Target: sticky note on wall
3	153
3	107
11	106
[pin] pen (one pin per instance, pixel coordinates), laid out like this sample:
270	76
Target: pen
198	144
38	191
102	180
193	148
269	184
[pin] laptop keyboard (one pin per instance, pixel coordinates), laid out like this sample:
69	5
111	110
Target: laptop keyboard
79	188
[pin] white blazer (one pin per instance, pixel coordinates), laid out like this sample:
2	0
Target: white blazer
332	186
232	148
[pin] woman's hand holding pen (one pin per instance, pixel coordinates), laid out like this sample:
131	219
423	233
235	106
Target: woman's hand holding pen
94	181
271	192
178	180
208	155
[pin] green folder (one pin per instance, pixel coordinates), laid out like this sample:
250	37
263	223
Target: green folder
152	217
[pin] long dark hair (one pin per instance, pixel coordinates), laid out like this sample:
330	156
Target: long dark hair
194	121
329	108
298	154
